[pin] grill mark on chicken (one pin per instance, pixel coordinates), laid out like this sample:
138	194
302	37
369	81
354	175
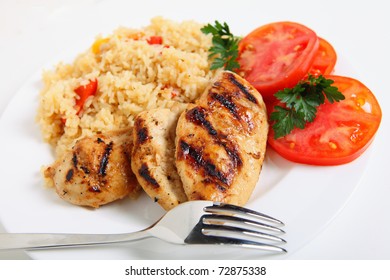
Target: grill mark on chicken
74	160
242	88
197	116
237	111
85	169
105	159
145	173
142	131
232	151
227	103
69	175
219	187
200	161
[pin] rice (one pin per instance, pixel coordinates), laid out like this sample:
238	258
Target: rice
133	75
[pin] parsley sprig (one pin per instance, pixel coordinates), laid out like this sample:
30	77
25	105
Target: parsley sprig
224	50
301	103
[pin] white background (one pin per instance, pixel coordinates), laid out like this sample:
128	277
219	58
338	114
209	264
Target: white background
358	28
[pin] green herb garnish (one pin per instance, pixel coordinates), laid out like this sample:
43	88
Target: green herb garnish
301	103
224	51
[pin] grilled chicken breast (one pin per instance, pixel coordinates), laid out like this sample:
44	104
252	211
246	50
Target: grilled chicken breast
96	171
153	157
221	141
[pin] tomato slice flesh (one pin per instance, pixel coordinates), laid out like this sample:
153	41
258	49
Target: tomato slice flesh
324	60
341	131
276	56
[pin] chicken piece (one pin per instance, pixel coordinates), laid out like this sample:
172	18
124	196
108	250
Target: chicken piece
96	171
221	141
153	157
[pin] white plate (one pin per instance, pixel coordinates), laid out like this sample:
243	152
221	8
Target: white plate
306	198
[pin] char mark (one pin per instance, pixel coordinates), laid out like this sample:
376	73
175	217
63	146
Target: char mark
197	116
105	159
69	175
199	160
85	169
145	173
233	154
243	89
235	110
74	160
220	188
142	131
227	103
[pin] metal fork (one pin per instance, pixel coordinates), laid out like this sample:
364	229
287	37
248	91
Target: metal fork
194	222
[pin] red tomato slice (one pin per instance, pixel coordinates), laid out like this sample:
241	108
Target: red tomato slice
324	60
341	131
84	92
276	56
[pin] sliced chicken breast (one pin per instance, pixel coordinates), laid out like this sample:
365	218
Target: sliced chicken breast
221	141
96	171
153	157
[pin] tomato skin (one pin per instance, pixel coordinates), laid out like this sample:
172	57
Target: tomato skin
324	60
276	56
84	92
341	131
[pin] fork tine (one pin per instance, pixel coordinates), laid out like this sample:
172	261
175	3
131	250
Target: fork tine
217	236
227	224
231	232
202	235
239	222
222	208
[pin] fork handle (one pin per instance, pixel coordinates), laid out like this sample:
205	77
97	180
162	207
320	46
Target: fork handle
12	241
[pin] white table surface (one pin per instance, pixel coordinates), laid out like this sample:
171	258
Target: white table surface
360	28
